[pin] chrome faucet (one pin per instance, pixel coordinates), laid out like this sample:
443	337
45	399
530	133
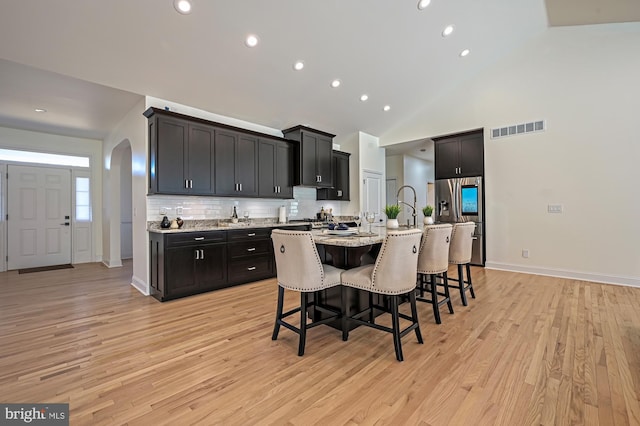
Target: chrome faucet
413	207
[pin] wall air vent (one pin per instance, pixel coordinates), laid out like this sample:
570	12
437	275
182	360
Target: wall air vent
516	129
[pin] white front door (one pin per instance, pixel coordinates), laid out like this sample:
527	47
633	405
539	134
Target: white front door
39	207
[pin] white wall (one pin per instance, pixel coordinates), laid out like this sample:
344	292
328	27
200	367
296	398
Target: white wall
350	143
131	130
417	173
45	142
584	82
126	207
371	158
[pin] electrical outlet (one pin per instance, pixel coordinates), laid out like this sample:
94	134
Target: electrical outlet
525	253
163	211
554	208
179	211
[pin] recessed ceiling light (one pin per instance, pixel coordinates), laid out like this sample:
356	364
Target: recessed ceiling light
386	108
251	40
298	65
447	31
464	53
182	6
40	110
335	83
364	97
423	4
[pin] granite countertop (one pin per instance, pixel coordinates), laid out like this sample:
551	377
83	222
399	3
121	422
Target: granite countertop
215	225
364	238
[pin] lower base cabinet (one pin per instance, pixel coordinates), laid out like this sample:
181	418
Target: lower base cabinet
187	263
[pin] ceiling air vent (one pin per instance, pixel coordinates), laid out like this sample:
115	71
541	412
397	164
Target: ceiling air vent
516	129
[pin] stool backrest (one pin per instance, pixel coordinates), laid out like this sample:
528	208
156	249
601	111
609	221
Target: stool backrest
297	261
395	268
461	242
434	250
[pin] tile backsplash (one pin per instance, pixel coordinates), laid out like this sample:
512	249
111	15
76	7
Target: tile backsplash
303	205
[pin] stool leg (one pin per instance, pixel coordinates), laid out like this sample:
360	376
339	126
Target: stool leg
372	319
345	315
414	315
276	327
469	279
421	281
395	320
445	282
463	295
434	298
303	322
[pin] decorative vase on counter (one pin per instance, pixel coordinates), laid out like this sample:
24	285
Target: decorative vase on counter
428	220
165	223
392	223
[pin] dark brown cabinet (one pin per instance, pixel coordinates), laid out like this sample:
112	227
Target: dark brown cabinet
192	156
275	169
459	156
180	157
187	263
340	190
250	255
313	156
236	164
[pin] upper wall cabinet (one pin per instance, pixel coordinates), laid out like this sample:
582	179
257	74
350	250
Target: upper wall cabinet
340	190
460	155
275	169
313	156
180	156
193	156
236	164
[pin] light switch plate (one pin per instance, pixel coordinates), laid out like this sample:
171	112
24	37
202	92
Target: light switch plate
554	208
178	211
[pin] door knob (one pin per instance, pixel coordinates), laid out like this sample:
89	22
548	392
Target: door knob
65	224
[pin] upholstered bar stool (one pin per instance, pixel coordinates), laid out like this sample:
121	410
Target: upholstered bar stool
460	254
434	260
299	268
393	274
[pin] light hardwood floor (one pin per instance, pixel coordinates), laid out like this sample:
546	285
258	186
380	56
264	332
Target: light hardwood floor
528	350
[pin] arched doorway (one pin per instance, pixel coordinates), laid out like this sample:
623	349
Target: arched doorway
119	207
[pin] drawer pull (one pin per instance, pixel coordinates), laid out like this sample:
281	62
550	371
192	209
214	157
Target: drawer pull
253	234
251	249
251	268
199	238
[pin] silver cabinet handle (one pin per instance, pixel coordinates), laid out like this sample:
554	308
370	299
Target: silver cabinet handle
186	183
251	249
190	183
199	238
251	268
253	234
240	187
197	254
202	254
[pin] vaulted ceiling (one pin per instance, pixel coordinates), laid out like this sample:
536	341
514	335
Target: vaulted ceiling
88	62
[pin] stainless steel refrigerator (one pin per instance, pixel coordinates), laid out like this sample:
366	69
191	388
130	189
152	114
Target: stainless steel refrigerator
462	200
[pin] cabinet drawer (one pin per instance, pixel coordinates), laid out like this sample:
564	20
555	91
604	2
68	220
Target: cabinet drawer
250	269
249	248
249	234
196	238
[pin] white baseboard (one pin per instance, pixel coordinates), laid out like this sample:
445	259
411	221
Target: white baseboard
560	273
108	264
140	285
